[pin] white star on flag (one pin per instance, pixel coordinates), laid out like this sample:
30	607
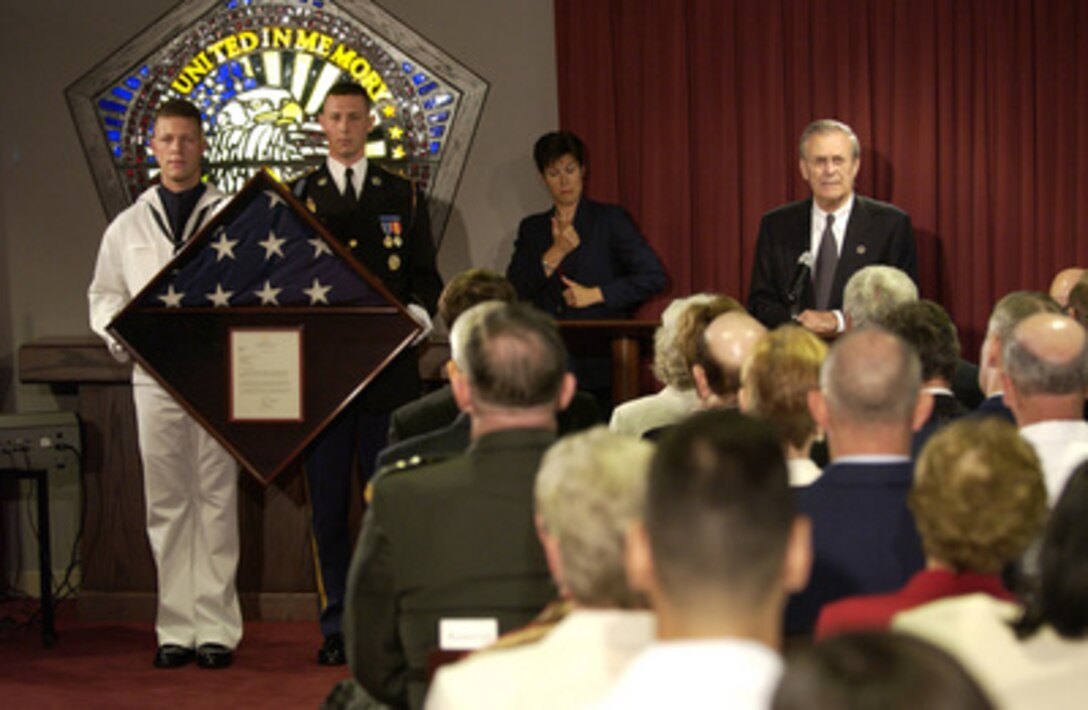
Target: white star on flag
268	294
221	298
273	245
273	198
224	247
317	293
320	247
171	299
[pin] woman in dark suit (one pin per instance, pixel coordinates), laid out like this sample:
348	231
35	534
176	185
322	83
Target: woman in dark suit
581	259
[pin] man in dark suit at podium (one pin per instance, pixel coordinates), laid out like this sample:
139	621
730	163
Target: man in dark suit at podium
382	219
807	250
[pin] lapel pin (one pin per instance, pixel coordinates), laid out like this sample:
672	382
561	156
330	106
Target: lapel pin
322	181
376	181
861	248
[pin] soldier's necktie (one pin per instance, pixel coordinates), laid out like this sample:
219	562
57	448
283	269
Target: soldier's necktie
349	184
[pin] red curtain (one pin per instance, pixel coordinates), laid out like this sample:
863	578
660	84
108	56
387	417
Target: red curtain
973	117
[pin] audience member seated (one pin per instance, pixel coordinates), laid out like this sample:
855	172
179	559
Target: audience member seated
783	368
690	337
678	397
864	539
718	550
437	409
1044	382
455	540
590	488
927	327
719	355
1077	308
874	292
1035	657
1008	312
433	427
978	502
877	671
1063	283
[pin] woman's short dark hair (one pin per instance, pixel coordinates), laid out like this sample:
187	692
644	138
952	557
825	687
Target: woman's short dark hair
877	670
1059	599
550	147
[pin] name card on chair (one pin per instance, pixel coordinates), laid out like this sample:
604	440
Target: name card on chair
467	634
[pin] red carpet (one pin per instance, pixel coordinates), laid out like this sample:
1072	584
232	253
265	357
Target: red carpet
108	665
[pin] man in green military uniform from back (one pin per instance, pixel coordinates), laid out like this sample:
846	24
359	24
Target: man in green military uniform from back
382	219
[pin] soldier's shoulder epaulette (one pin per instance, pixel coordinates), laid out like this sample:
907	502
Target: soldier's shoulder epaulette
394	172
298	183
404	465
395	176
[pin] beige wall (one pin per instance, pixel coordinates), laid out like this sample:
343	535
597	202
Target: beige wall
50	216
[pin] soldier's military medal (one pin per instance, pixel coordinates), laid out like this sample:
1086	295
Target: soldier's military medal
398	242
391	228
394	262
311	205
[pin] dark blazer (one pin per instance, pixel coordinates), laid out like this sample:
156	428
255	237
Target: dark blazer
438	409
863	536
946	408
445	441
451	539
877	233
965	384
994	406
612	255
388	231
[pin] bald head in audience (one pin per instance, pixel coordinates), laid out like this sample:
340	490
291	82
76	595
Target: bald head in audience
1063	283
1044	380
869	398
719	355
1008	312
1044	375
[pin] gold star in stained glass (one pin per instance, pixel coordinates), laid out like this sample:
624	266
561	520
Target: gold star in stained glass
389	110
398	152
395	133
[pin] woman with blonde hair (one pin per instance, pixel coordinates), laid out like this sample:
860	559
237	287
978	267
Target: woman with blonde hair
775	381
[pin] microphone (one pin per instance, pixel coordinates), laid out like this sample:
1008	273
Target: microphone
800	277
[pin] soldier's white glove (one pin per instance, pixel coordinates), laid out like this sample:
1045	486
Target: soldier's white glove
424	319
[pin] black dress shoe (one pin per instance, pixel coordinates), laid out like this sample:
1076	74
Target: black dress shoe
213	655
331	652
171	655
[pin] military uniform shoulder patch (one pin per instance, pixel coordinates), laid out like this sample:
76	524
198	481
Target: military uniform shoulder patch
405	465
